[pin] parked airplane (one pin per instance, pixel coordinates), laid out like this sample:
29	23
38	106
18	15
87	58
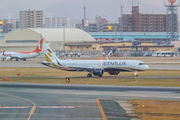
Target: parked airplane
23	55
95	67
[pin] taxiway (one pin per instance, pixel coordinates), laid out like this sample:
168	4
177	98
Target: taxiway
73	102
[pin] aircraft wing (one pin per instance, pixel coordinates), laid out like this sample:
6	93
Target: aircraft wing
17	56
81	67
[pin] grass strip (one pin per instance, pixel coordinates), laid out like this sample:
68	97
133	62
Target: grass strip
157	109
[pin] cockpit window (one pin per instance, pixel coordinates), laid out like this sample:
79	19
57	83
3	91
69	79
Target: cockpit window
141	64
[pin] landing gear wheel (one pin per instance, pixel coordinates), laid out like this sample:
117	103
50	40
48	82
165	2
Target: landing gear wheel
24	59
17	59
3	59
89	75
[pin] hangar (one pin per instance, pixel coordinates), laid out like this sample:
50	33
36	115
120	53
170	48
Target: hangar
26	39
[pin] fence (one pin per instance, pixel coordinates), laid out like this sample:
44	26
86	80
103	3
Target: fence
90	53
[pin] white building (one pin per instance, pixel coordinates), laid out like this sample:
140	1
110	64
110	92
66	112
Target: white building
56	22
26	39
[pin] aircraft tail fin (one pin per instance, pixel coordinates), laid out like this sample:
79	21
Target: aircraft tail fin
39	46
50	56
3	53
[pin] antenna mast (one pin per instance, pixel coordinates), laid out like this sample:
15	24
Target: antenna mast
171	21
84	13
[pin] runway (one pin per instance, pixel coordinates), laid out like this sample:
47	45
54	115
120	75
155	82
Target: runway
21	101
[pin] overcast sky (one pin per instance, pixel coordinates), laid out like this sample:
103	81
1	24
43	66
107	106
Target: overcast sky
74	8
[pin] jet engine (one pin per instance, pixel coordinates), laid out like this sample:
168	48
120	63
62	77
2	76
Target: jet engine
8	58
98	72
114	72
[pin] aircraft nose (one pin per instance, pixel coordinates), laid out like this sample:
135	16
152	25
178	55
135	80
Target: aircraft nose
147	67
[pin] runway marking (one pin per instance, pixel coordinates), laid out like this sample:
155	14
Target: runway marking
86	106
32	109
17	107
101	109
57	107
13	107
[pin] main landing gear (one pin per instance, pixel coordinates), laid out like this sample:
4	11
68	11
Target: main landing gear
89	75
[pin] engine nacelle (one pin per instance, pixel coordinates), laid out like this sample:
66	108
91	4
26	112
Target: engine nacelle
114	72
8	58
99	72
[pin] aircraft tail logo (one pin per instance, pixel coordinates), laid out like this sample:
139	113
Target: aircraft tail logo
50	56
39	46
3	53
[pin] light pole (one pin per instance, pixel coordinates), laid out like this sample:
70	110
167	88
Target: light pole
64	38
116	36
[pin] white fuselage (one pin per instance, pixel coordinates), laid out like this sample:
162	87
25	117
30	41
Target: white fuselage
121	65
20	55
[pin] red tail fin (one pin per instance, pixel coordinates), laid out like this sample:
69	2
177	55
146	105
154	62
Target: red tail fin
39	46
3	53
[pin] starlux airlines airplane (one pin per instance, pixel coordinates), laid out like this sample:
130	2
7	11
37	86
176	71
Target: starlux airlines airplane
23	55
95	67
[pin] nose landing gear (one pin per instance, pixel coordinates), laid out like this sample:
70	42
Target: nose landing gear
136	74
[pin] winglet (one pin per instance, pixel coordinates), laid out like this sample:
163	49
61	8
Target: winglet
39	46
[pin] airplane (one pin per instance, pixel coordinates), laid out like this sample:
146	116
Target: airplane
95	67
22	55
111	52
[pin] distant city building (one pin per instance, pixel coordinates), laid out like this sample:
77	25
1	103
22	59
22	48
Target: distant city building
52	22
101	25
137	22
65	21
8	25
31	19
1	25
16	24
56	22
8	16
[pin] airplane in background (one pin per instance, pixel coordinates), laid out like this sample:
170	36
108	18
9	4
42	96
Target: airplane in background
22	55
95	67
